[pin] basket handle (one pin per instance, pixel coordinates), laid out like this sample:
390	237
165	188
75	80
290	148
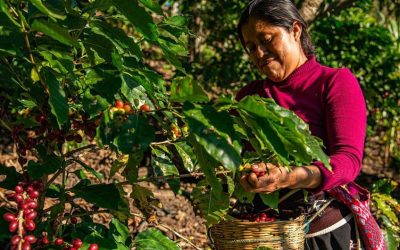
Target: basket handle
210	238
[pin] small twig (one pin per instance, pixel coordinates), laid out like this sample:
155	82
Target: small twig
5	125
179	235
169	229
79	149
32	59
161	143
106	211
53	178
172	177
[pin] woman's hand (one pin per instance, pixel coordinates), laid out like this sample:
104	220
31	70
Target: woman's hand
276	178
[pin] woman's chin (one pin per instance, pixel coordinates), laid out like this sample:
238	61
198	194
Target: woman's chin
273	76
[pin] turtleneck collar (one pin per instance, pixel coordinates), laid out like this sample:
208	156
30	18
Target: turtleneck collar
298	75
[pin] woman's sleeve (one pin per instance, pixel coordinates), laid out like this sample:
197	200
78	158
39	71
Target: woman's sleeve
346	119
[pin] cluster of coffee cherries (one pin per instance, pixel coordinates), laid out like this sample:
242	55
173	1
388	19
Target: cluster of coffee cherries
26	139
248	169
125	108
257	217
75	244
22	222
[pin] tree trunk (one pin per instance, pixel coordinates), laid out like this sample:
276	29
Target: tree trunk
309	9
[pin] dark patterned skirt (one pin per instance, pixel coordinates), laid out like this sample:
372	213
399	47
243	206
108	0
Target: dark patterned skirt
342	238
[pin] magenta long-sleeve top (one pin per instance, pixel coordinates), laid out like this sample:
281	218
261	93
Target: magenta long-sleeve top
331	102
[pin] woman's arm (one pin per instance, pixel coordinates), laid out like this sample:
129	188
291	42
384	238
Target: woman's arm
345	126
308	177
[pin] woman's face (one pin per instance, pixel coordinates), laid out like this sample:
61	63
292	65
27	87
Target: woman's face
274	50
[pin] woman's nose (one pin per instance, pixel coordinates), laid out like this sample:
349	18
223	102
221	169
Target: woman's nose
260	51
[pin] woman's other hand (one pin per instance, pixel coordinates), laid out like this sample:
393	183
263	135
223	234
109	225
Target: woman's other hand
276	178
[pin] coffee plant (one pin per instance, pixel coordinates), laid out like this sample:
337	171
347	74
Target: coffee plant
75	75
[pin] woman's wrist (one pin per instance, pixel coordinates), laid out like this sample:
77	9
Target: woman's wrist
308	177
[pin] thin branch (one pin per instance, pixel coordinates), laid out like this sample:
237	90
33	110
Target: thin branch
79	149
161	143
171	177
106	211
32	59
179	235
169	229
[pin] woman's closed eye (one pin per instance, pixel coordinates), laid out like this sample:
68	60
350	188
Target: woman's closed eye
266	41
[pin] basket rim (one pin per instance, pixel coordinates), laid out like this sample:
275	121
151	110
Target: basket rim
301	218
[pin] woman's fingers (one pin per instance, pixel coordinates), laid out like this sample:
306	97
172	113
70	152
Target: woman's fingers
245	184
252	179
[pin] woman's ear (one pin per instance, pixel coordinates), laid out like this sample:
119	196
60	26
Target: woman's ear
297	29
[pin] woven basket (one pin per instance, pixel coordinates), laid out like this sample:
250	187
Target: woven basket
243	235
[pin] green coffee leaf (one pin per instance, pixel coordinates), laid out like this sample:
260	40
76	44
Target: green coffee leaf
138	16
153	239
11	177
153	6
50	165
57	100
214	204
48	11
54	31
271	200
163	166
186	89
214	131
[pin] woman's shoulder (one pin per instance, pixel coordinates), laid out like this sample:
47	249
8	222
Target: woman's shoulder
336	73
251	88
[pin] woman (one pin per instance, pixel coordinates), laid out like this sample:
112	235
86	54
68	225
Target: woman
330	100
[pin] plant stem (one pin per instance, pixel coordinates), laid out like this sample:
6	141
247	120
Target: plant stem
79	149
179	235
53	178
32	59
172	177
20	227
87	213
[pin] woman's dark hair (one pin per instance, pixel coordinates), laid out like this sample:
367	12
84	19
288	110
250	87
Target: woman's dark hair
282	13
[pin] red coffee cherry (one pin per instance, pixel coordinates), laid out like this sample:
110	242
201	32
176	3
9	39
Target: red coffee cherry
13	226
19	189
119	104
41	118
29	225
93	247
32	204
31	215
9	217
59	241
15	239
34	194
145	108
26	245
77	243
30	238
74	220
45	241
128	108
